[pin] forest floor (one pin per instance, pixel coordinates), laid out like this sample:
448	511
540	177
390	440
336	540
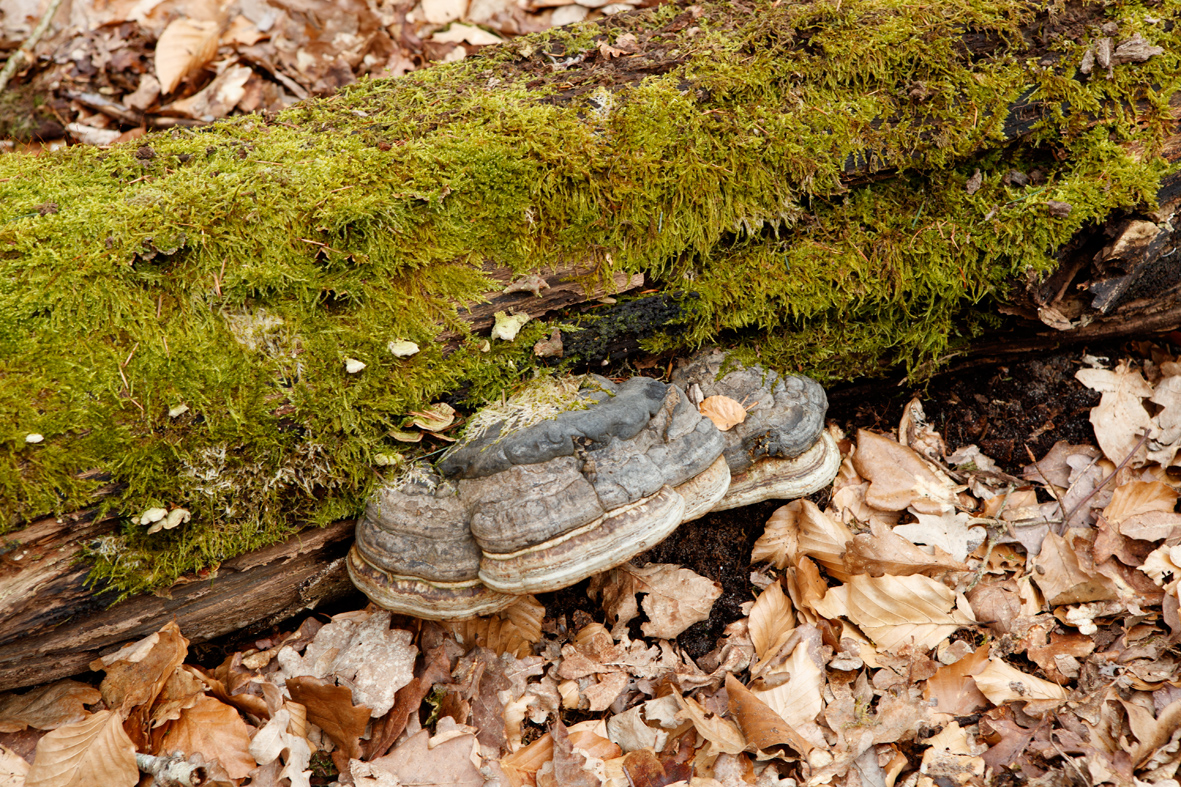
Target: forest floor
943	615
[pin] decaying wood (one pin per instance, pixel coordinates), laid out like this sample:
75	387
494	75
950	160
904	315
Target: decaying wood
52	625
1119	280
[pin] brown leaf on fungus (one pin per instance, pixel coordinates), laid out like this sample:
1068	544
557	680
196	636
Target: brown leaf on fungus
47	707
185	46
94	752
763	727
213	729
330	707
726	413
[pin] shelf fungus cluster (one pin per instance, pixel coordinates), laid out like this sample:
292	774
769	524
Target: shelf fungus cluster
535	499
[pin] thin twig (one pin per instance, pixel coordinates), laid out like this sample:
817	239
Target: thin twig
26	49
1053	489
1140	444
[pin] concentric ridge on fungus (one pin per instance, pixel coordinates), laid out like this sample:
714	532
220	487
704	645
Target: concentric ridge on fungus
513	510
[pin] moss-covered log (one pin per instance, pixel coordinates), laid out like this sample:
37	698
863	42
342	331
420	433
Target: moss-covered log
837	186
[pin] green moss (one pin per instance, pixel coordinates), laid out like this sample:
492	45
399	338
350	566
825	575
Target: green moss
234	269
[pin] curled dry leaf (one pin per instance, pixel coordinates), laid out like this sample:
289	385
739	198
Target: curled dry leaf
1001	682
721	735
137	672
762	726
213	729
726	413
899	478
330	707
94	752
47	707
589	737
771	621
675	599
799	698
801	529
185	46
513	630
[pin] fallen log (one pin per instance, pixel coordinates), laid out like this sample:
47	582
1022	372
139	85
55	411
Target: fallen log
198	323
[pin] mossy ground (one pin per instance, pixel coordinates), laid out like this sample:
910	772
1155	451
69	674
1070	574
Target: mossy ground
234	269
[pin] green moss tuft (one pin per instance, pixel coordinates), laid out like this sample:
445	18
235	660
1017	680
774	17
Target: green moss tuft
234	269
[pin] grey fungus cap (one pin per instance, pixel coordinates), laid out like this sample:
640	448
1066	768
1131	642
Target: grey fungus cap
518	510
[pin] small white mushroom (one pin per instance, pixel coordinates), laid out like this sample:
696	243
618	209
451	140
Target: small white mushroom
401	348
33	438
352	365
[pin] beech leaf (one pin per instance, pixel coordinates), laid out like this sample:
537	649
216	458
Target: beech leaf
94	752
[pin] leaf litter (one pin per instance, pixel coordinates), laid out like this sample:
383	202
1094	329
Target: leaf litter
938	623
109	70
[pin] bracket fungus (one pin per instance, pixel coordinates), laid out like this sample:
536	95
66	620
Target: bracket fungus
536	499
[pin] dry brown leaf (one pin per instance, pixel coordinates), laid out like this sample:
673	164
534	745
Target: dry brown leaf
213	729
761	725
330	707
800	698
137	672
217	99
1001	682
899	478
1139	497
94	752
568	767
185	46
896	611
47	707
1120	418
280	750
726	413
948	532
951	689
181	691
675	599
882	551
648	769
13	768
589	737
1063	577
361	648
513	630
771	621
721	735
800	528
